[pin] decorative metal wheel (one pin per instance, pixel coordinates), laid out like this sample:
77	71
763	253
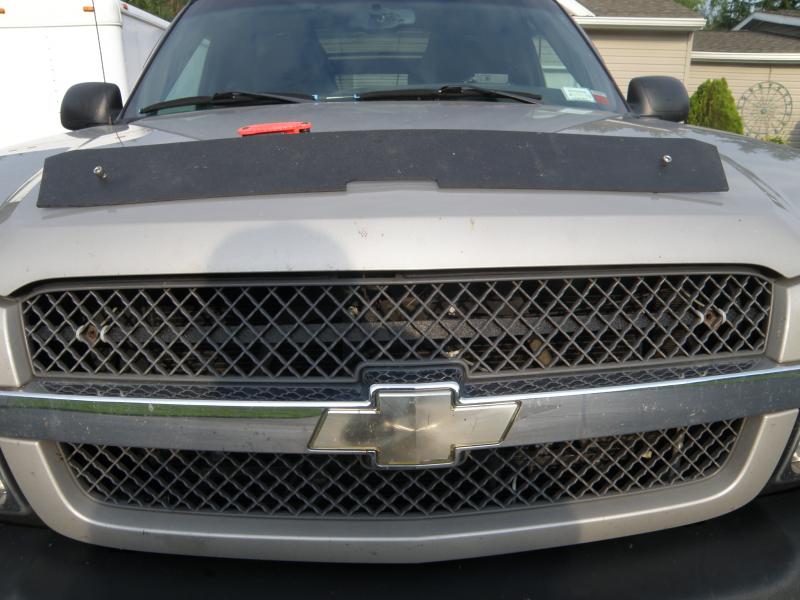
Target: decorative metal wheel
766	109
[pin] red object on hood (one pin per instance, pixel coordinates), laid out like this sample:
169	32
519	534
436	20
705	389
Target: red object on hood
288	127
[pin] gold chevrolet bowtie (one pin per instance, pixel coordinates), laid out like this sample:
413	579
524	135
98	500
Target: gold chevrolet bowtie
418	426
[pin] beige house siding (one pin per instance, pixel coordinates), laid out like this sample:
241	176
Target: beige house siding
630	54
742	76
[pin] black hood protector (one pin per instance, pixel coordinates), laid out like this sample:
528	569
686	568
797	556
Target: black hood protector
328	161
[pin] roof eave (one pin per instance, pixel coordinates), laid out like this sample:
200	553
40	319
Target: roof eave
575	8
746	57
768	18
144	16
643	23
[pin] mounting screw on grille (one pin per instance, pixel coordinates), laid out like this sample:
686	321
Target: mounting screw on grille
666	160
100	172
88	334
714	317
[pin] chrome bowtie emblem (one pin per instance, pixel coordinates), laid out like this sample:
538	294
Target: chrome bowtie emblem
414	426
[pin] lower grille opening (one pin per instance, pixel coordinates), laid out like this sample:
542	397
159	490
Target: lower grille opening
335	486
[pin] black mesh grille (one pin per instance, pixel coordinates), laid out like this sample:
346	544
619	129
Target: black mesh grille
346	485
327	331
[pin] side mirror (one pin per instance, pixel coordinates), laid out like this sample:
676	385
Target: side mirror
659	97
88	104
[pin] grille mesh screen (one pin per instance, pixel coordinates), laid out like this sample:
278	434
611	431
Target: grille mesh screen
327	331
346	485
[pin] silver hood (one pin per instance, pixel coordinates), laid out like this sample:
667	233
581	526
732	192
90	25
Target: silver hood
401	226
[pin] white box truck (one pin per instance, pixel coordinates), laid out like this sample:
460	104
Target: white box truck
49	45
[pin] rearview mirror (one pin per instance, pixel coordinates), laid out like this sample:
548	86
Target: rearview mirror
659	97
88	104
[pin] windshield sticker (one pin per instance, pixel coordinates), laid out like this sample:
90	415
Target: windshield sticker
576	94
490	78
600	97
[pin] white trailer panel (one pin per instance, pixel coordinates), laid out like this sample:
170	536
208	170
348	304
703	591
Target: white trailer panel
50	45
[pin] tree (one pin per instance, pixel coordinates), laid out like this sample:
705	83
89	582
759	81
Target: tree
166	9
696	5
712	105
726	14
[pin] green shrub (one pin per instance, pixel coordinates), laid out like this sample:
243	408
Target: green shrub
775	139
712	105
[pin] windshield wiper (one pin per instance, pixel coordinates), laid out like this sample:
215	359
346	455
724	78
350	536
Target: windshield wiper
449	91
229	99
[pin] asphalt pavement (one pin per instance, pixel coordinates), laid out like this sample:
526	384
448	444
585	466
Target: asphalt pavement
751	553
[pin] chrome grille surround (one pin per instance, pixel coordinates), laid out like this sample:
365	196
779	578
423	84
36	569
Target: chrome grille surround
330	395
346	485
314	330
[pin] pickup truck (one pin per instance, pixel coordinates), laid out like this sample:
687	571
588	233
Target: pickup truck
391	282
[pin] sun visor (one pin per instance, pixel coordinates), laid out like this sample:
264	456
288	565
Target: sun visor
328	161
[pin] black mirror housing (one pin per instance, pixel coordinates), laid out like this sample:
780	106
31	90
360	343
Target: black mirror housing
659	97
88	104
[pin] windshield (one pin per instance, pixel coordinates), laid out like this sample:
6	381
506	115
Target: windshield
334	51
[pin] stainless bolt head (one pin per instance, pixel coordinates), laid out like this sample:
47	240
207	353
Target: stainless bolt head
100	172
666	159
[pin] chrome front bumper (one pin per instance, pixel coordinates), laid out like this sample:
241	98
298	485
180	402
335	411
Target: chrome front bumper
56	498
33	419
33	412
